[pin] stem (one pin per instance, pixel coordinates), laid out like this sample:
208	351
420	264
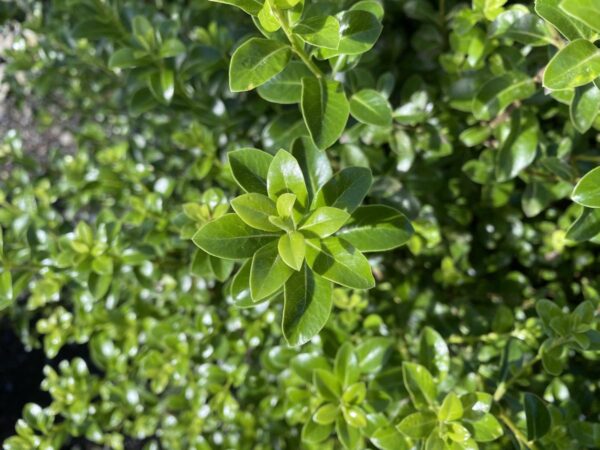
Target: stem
296	44
517	432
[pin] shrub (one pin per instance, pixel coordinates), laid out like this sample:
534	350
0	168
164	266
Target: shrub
304	224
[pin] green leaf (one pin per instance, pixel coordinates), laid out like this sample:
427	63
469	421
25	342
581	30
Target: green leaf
376	228
320	31
314	164
537	415
171	47
345	190
451	408
286	176
267	18
348	435
268	273
355	394
286	86
554	357
251	7
373	353
314	433
285	205
336	260
124	58
162	85
250	168
586	11
388	438
575	65
498	93
419	384
326	414
434	353
586	226
346	365
143	31
354	416
325	110
6	289
308	301
255	209
230	238
324	221
255	62
418	425
285	4
359	32
519	148
292	249
328	386
569	27
371	107
522	27
584	107
587	190
485	429
240	287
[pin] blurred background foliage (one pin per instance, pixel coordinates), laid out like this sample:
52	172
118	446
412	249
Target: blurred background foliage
484	325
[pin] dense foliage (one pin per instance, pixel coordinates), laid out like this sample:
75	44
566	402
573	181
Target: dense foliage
305	224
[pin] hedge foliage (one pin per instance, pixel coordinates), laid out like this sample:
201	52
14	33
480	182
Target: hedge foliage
290	224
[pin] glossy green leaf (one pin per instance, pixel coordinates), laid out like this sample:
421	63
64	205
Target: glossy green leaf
519	148
359	32
324	221
255	209
373	353
498	93
240	286
255	62
451	408
586	11
570	27
354	416
252	7
285	176
587	190
143	32
586	226
375	228
320	31
325	109
326	414
345	190
268	18
346	365
584	107
286	86
371	107
314	164
418	425
268	273
162	85
327	384
230	238
285	205
171	48
348	435
250	168
538	416
522	27
575	65
314	433
419	384
6	289
308	301
338	261
124	58
485	429
433	353
554	357
292	249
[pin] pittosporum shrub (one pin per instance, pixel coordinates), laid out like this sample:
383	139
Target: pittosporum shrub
284	224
